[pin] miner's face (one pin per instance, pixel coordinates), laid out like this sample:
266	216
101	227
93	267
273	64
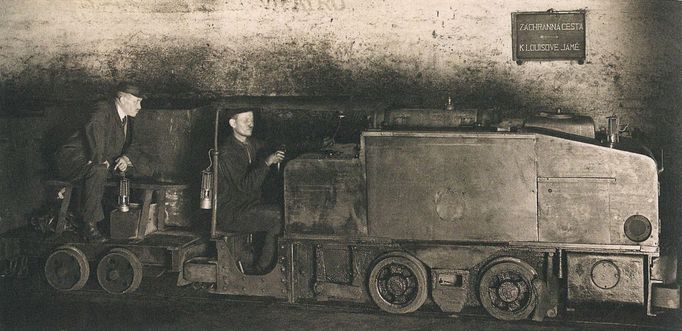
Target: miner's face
130	104
242	124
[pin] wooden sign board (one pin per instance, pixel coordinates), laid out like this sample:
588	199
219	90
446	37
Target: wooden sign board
548	36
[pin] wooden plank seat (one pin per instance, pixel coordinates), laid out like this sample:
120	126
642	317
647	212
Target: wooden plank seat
150	190
63	190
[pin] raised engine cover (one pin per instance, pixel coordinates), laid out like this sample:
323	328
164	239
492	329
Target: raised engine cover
567	123
325	195
436	118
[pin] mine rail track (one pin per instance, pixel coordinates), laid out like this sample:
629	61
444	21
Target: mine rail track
163	290
574	321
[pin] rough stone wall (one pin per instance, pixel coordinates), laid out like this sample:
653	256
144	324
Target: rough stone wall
56	54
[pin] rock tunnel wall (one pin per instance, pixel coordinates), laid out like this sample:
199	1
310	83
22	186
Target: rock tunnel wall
323	55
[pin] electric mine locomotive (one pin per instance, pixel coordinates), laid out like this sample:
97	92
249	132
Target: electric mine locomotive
433	205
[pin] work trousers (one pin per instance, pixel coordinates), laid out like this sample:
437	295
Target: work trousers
92	178
260	218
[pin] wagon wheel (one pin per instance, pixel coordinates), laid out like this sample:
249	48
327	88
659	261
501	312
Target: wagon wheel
119	272
398	284
506	290
67	269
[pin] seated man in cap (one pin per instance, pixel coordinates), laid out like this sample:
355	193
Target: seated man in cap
243	166
100	147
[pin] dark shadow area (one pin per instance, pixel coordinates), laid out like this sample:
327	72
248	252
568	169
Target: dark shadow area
29	304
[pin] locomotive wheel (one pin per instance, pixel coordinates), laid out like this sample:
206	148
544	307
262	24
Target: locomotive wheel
398	284
119	272
67	269
506	290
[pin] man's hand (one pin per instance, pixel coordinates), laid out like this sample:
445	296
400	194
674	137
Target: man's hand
122	163
275	157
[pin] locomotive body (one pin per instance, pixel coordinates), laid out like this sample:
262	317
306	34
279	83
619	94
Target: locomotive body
461	202
523	221
519	222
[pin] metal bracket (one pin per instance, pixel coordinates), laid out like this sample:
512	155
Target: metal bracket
231	281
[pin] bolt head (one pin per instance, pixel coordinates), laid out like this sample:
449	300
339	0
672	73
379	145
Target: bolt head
552	312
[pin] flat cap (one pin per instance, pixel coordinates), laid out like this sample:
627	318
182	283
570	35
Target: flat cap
130	89
232	112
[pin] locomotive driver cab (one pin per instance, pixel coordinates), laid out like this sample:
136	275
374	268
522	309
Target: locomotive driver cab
240	217
237	172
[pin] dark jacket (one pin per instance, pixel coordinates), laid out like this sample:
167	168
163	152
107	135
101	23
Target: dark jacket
239	179
101	139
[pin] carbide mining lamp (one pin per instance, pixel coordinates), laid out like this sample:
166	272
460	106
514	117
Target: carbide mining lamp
613	129
206	189
206	193
123	194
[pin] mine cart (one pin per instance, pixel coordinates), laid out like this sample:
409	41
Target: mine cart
148	239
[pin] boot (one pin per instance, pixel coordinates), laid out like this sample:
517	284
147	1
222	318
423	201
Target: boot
253	270
91	233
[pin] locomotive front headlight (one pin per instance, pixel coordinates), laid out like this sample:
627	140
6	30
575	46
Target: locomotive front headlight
637	228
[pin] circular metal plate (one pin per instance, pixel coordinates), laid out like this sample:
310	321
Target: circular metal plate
605	274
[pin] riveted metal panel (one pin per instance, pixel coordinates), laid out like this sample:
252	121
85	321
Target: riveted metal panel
574	210
621	281
450	289
333	264
325	196
451	186
632	189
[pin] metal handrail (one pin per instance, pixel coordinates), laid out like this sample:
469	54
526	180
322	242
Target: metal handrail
214	156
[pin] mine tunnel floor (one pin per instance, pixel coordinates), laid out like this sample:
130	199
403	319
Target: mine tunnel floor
29	304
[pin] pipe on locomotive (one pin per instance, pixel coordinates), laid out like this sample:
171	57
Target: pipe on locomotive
214	160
